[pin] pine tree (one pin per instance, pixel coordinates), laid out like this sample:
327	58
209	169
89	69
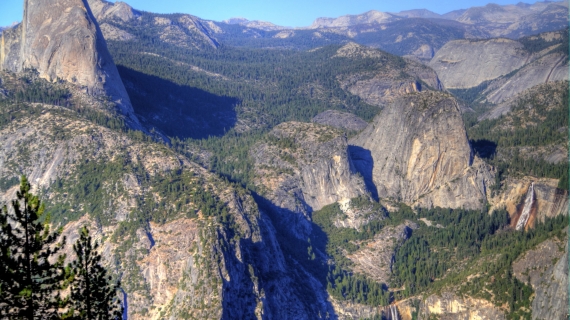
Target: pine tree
7	265
92	293
34	281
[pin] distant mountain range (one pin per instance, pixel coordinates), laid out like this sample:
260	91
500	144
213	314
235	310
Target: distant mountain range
420	33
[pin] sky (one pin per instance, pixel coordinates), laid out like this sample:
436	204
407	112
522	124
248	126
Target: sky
290	13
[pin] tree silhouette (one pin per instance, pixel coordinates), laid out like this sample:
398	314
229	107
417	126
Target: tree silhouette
31	281
93	296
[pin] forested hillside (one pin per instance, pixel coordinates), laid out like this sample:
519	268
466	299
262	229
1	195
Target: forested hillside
276	173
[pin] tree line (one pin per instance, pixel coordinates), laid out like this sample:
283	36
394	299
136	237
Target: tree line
35	282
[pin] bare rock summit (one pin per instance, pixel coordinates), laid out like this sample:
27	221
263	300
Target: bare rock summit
416	151
62	40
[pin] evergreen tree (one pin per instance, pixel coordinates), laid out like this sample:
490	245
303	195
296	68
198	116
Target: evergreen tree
6	264
32	280
93	296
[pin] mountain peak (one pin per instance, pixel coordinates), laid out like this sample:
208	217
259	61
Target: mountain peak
62	40
256	24
236	20
369	17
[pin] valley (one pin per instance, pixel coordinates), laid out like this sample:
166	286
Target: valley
403	165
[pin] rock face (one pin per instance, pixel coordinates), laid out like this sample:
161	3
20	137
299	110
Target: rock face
549	200
107	10
448	306
341	120
508	66
396	78
465	63
376	259
416	151
303	167
173	267
549	68
352	20
546	267
62	40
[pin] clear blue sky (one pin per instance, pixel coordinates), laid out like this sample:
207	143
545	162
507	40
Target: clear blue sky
294	13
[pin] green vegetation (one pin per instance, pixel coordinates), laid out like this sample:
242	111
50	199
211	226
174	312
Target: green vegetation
470	243
31	286
93	296
538	119
342	283
221	101
431	252
464	243
536	44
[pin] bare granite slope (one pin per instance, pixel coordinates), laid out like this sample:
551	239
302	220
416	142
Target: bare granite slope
62	40
418	153
465	63
302	167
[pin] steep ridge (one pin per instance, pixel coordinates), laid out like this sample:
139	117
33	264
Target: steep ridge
545	268
396	78
465	64
373	16
62	40
176	255
505	67
416	151
179	29
301	168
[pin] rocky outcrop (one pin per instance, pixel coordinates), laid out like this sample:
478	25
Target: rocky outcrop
549	200
396	78
302	167
375	260
465	63
62	40
178	265
352	20
549	68
416	151
255	24
108	10
449	306
341	120
545	268
346	310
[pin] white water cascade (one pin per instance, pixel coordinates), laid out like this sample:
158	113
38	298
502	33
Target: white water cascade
394	313
528	202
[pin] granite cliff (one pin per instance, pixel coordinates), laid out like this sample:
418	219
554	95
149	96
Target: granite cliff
505	67
302	167
176	258
62	40
416	151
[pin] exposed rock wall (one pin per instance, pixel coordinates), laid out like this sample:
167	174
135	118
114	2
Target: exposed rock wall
549	68
304	167
396	78
549	200
464	63
62	40
375	260
179	268
107	10
448	306
545	268
418	153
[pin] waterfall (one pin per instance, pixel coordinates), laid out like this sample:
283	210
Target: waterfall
394	313
528	202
